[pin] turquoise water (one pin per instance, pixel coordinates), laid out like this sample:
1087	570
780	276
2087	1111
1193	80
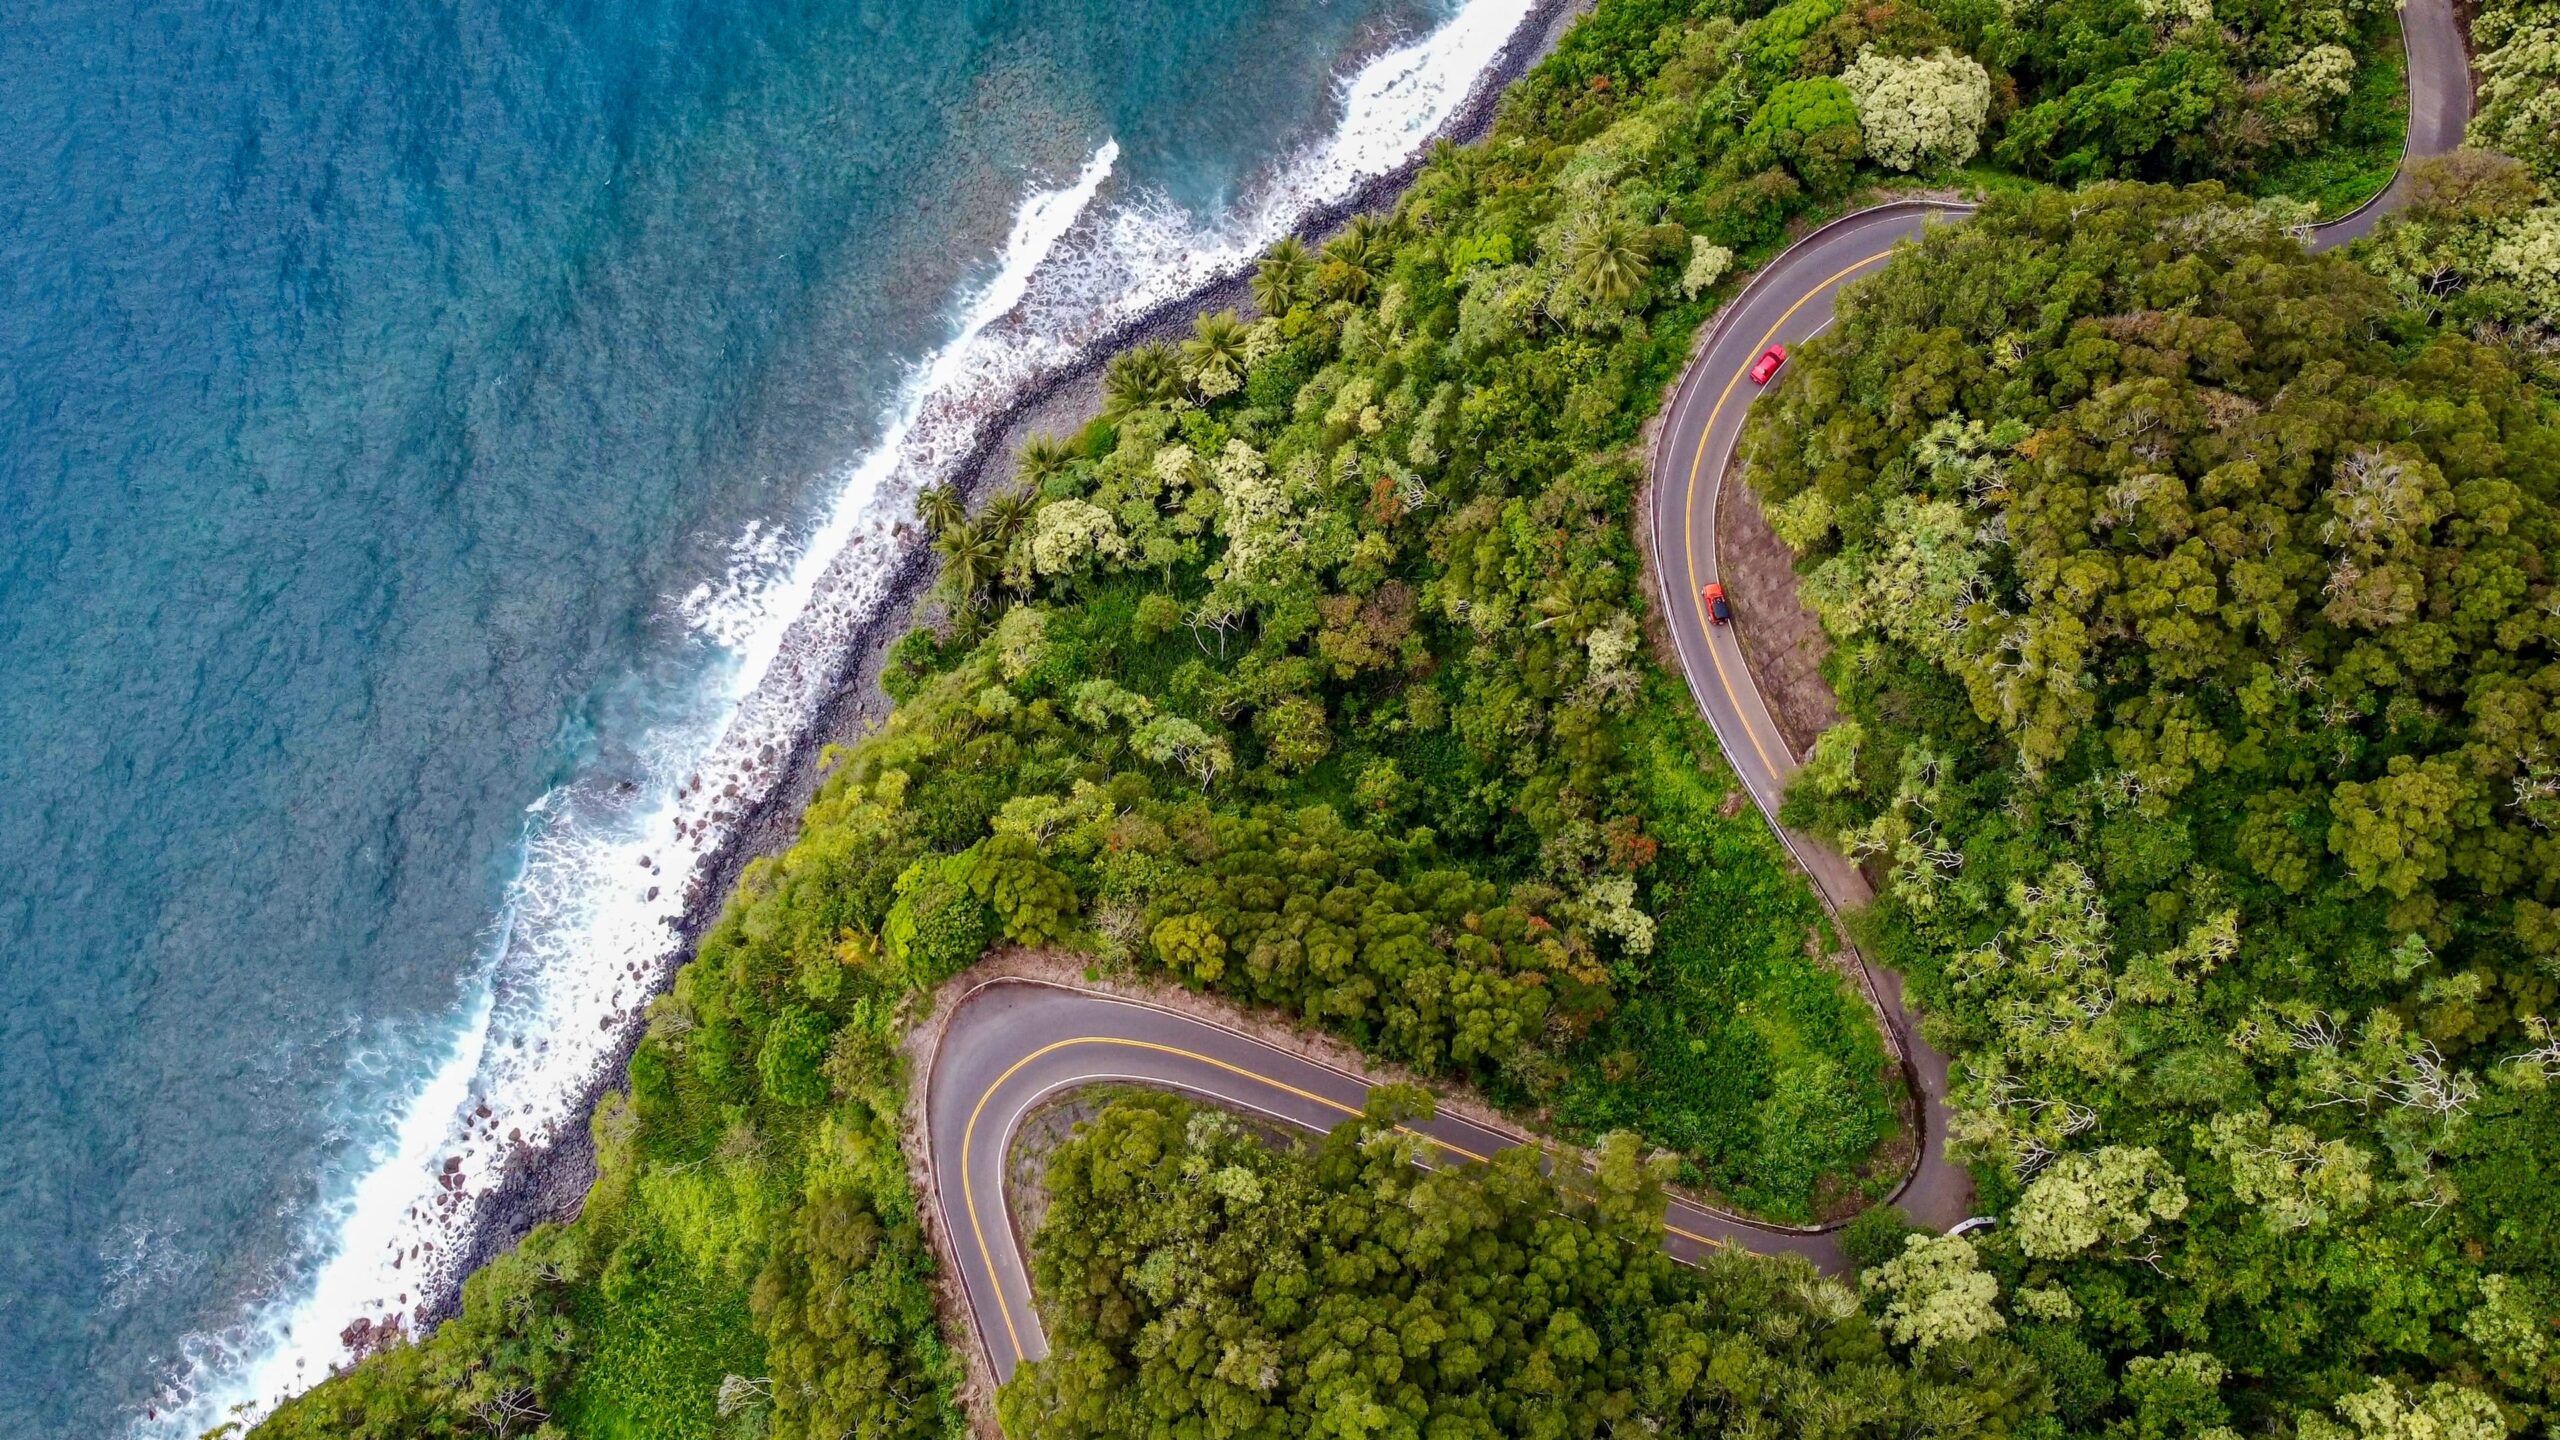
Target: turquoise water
415	424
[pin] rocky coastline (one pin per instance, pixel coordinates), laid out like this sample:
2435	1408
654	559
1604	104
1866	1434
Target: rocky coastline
547	1182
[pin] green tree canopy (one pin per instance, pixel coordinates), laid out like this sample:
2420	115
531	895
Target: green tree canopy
1196	1282
2195	606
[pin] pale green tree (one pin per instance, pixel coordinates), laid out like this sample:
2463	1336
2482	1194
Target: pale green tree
1612	648
2112	1195
1068	535
2324	72
1254	513
1175	469
2297	1180
1022	640
1832	769
1920	111
1708	263
2387	1411
1185	745
1294	733
1073	824
1501	305
2178	1394
2526	254
2508	1326
2175	14
1098	702
2517	56
2049	970
2477	221
1802	521
1936	1293
1919	590
1609	906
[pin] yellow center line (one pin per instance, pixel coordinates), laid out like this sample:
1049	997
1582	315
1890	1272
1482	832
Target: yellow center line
969	1201
969	1135
1706	627
1689	502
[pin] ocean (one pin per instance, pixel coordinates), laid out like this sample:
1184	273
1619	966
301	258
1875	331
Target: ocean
441	449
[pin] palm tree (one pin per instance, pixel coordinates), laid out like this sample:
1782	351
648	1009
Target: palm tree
1356	259
1009	511
940	507
1214	355
1605	264
1449	178
1042	456
1372	235
971	558
1280	281
1142	376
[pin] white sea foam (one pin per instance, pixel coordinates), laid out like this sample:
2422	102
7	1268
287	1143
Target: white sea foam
590	920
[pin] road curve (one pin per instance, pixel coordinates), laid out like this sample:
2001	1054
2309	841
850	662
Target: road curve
1788	302
1009	1044
2439	69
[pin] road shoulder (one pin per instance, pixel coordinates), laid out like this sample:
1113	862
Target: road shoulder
923	1044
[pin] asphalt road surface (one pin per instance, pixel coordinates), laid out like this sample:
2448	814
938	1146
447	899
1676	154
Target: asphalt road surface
1011	1044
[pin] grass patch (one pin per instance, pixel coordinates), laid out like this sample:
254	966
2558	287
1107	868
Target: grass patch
1739	1048
1983	181
2363	150
659	1338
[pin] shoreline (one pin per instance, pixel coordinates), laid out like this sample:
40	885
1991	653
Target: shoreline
547	1183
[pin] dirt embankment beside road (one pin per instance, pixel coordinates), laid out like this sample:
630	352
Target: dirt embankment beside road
1782	639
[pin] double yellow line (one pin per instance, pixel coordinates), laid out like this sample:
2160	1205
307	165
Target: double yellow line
969	1137
1689	546
1689	503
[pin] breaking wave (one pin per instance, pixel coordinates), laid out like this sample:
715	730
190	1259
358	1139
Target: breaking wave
607	863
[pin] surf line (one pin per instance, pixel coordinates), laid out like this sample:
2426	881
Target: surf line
537	1022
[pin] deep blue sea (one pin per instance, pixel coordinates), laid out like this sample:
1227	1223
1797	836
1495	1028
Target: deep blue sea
425	430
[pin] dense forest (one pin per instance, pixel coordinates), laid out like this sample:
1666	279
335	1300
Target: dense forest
1313	673
1208	1284
2196	629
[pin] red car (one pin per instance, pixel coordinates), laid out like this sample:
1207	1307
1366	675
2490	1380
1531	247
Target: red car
1768	363
1717	610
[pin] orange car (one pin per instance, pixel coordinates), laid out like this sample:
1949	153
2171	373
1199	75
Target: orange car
1717	610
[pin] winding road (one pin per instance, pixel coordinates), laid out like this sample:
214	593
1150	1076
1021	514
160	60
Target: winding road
1008	1045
